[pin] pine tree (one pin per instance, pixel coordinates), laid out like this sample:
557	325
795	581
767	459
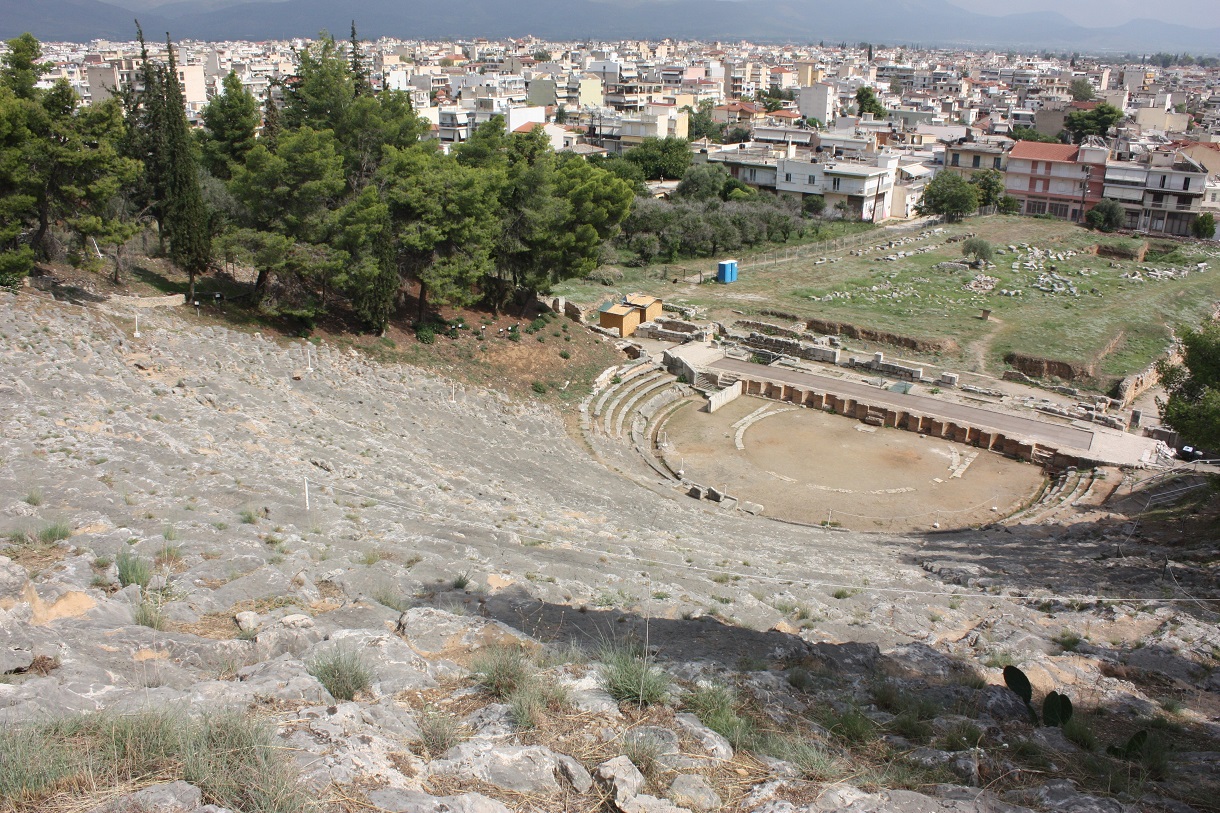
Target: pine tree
231	120
187	223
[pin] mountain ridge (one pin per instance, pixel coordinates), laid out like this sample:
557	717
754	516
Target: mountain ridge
908	22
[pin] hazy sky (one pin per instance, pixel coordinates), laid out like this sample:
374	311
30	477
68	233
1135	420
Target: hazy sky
1199	13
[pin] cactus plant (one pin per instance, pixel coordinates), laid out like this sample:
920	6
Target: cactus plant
1016	681
1056	709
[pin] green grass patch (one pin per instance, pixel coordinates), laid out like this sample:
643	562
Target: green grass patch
342	672
631	677
133	569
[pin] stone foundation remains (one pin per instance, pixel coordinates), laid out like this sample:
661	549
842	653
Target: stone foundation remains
991	440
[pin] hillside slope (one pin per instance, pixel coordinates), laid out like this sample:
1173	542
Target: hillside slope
444	522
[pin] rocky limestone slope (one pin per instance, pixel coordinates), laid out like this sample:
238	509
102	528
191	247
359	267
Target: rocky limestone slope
161	560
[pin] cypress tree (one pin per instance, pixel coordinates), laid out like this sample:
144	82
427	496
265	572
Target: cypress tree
271	119
360	72
145	138
187	223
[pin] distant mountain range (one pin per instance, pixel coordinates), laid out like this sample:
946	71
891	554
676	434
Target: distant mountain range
911	22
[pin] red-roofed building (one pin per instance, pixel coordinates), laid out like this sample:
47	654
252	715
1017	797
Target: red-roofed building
1061	180
738	113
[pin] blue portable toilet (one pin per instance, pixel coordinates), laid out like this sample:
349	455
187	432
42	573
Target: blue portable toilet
726	271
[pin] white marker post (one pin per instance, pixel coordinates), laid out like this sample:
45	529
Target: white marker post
306	493
137	333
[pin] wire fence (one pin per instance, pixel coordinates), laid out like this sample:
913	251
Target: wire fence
767	258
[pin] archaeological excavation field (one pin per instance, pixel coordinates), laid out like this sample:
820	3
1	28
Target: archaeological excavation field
810	466
1052	298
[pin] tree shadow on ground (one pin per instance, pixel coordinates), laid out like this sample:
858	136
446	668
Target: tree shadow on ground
1109	710
1109	560
157	280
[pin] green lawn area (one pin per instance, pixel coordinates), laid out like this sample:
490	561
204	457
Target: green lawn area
909	296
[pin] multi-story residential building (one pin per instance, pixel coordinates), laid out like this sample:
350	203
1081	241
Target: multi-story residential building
1060	180
819	101
860	189
967	156
1163	191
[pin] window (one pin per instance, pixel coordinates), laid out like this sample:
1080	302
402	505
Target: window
956	159
1163	182
1033	168
1186	183
1058	210
995	163
835	185
787	177
1035	207
813	180
977	161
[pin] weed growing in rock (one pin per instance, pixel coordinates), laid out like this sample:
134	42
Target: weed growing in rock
342	672
891	698
644	751
55	532
998	659
844	592
248	517
439	730
34	498
629	677
962	736
1077	731
148	614
234	760
132	569
715	704
850	726
502	669
910	726
529	702
169	556
461	581
389	598
1068	640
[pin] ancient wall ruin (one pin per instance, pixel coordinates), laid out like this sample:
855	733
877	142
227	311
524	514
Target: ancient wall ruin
979	437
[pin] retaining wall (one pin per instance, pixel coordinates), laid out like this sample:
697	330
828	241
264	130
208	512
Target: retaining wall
912	422
726	396
791	347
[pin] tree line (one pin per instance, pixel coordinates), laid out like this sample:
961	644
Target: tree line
331	195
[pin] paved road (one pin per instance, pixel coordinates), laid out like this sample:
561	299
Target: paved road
1051	434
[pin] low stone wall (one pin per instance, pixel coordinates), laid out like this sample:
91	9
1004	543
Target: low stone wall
726	396
1133	386
766	328
851	331
790	347
662	332
1036	367
912	422
170	301
878	364
680	326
